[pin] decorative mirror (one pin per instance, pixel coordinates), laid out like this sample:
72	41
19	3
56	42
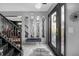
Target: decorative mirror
43	22
26	27
32	26
37	26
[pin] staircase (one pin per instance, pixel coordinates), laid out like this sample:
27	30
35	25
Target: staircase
8	48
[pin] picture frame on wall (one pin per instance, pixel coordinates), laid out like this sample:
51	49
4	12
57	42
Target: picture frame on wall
60	47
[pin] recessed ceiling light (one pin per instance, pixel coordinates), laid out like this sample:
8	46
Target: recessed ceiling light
38	5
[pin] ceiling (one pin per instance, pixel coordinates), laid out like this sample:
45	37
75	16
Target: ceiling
12	10
23	7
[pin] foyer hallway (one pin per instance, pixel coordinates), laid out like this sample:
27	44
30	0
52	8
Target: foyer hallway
36	49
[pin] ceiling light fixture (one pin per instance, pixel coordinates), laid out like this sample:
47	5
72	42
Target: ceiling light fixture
38	5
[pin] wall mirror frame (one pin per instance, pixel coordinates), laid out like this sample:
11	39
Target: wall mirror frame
59	46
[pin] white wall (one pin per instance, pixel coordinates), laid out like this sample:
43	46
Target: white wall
72	31
44	40
52	7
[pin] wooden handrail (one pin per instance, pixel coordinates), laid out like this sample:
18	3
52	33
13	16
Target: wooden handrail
11	44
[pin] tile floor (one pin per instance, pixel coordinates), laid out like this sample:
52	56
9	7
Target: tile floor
29	48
